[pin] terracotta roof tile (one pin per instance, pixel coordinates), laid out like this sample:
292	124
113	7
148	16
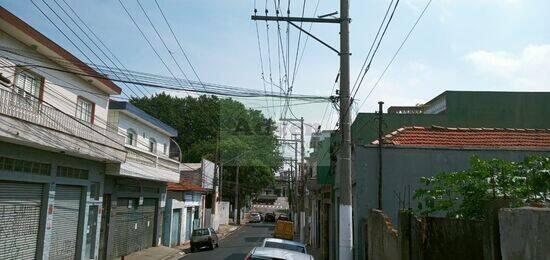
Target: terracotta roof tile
439	136
184	186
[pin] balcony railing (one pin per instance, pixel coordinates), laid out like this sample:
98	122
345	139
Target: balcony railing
30	109
146	158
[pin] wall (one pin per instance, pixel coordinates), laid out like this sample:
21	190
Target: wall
95	175
425	238
525	233
382	238
126	122
465	109
403	167
60	89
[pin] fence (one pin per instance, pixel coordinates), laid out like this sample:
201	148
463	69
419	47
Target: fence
30	109
522	233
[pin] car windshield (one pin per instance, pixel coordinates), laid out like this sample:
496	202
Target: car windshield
291	247
200	232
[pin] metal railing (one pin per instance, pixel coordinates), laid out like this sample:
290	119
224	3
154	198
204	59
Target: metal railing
142	157
31	109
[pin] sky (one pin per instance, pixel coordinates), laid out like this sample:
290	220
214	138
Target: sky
491	45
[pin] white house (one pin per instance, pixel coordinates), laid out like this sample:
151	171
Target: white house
135	190
54	147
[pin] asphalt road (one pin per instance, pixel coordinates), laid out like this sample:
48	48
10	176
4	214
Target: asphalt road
237	245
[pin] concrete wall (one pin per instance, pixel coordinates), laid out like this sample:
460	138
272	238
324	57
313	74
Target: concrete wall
60	89
525	233
382	239
403	167
143	131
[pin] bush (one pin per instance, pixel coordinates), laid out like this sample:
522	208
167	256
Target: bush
465	194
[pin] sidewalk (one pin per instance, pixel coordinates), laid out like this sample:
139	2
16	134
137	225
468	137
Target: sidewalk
174	253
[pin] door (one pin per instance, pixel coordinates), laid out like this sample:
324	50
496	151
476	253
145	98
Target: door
189	223
65	222
176	227
20	205
133	226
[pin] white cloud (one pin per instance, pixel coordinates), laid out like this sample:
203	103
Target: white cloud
527	70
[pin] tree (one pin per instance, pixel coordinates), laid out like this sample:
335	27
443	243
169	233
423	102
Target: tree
207	124
465	194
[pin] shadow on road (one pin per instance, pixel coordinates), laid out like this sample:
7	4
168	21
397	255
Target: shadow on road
253	239
236	256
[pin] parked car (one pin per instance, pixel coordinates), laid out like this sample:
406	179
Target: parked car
267	253
284	217
204	237
255	218
269	217
285	244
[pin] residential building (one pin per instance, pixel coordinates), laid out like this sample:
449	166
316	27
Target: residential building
135	190
54	147
410	153
186	202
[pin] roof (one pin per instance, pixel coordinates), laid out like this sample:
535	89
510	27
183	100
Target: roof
31	36
276	253
437	136
184	187
191	166
140	114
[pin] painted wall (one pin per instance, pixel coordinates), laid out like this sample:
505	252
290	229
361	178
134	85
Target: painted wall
60	89
524	233
465	109
95	175
143	131
403	167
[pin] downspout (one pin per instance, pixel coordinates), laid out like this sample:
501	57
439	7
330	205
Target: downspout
380	141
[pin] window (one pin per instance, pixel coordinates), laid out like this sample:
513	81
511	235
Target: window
164	148
152	145
27	84
131	137
9	164
74	173
85	110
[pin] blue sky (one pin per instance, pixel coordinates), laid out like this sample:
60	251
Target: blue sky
458	45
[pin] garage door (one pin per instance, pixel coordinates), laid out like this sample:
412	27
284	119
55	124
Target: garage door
133	226
20	205
65	222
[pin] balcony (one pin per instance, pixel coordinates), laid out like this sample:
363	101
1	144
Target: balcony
145	165
47	126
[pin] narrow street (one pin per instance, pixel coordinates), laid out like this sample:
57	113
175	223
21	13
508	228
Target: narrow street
236	245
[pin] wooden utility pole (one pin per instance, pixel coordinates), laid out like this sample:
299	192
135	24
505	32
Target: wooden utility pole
345	234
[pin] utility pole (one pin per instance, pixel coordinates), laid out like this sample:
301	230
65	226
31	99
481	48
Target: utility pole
237	214
345	235
380	135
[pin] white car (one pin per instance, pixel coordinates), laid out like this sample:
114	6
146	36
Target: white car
284	244
255	218
268	253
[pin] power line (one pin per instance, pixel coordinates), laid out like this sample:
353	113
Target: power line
179	45
93	42
396	52
101	42
150	44
367	68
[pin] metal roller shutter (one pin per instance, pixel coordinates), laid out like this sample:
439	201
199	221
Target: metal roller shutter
20	205
133	226
65	222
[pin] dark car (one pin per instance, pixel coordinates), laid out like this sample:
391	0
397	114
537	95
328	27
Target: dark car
204	237
269	217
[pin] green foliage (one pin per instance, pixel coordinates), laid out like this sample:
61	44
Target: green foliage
208	123
465	194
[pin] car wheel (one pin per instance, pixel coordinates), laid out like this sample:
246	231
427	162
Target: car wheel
212	246
193	249
218	244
